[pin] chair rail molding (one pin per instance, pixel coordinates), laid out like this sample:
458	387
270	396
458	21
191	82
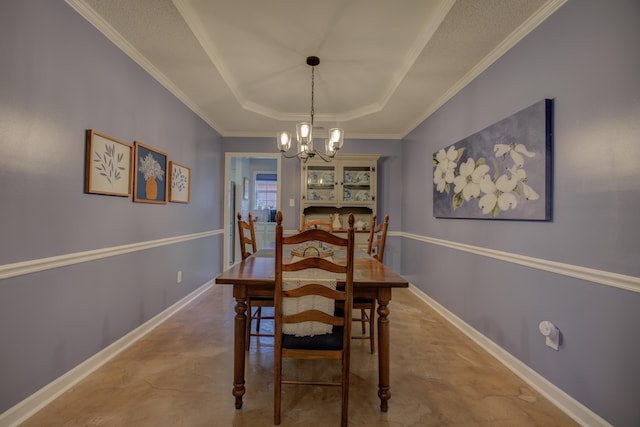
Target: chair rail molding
25	267
616	280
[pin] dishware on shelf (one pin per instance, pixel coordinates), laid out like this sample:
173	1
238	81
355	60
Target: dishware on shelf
314	196
347	194
312	178
363	196
363	178
327	178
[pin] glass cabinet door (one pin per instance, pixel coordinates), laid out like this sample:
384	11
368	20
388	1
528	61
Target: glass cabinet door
357	185
320	184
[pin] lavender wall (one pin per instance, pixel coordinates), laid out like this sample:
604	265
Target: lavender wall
586	57
389	182
58	77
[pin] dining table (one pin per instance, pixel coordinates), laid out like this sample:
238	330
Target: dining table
254	277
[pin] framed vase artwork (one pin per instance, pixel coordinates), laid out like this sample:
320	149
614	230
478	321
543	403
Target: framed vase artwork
108	165
150	184
179	183
501	172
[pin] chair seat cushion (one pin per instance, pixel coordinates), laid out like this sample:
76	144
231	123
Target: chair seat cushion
332	341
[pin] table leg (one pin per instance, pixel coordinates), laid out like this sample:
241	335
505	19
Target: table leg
384	389
240	325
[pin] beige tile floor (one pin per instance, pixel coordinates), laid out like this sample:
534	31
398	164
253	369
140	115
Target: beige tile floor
181	374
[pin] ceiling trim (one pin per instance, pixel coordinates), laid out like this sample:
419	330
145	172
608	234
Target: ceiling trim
514	38
116	38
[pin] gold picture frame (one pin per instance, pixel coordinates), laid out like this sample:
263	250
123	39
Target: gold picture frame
150	183
108	165
179	183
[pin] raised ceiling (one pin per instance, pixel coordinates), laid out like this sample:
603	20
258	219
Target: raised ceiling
385	65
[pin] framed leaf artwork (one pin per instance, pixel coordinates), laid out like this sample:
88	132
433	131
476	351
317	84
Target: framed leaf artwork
108	165
179	183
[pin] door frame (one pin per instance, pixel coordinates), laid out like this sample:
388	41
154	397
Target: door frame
229	215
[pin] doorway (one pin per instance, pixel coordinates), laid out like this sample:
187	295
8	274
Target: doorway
241	171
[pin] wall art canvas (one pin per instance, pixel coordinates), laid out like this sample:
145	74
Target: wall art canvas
180	183
108	165
150	185
502	172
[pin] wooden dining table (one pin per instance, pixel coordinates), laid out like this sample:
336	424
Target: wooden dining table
254	277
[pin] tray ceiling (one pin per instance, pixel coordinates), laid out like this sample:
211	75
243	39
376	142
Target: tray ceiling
385	65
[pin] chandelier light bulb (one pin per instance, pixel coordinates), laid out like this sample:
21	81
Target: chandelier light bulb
284	141
304	132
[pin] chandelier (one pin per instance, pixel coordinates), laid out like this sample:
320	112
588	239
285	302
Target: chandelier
304	132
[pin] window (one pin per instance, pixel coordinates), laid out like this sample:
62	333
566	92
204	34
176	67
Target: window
266	190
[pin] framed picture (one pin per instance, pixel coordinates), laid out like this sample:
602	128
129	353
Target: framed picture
179	183
502	172
245	188
108	167
150	184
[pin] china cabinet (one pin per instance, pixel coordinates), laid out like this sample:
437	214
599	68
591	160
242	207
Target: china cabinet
348	184
348	180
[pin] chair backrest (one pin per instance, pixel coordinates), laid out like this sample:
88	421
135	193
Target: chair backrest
378	238
306	224
247	236
312	283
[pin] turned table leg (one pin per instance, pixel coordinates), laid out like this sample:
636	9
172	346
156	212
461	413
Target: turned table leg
384	389
240	324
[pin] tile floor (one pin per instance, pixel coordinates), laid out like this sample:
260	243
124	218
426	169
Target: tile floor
181	374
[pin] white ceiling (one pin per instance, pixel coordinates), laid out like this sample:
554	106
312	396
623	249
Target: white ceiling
385	65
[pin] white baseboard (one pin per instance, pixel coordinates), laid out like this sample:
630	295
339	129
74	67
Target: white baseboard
580	413
32	404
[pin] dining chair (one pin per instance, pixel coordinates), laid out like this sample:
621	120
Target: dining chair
367	306
247	235
306	224
313	314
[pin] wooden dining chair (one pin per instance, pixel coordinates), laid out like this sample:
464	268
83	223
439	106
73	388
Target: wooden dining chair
306	224
313	314
367	306
247	235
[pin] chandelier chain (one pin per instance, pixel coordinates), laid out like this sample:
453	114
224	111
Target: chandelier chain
313	80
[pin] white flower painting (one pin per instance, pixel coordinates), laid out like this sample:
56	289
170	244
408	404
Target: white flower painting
501	172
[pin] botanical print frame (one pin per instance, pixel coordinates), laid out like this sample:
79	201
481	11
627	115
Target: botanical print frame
108	165
179	183
150	185
501	172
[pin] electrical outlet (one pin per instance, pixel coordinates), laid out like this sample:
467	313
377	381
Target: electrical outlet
179	276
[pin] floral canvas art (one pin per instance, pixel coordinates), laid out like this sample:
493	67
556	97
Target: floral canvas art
501	172
151	175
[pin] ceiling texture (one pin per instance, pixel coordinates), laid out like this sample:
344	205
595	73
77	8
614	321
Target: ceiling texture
385	65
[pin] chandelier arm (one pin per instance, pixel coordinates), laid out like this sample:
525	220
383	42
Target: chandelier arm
323	156
292	156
